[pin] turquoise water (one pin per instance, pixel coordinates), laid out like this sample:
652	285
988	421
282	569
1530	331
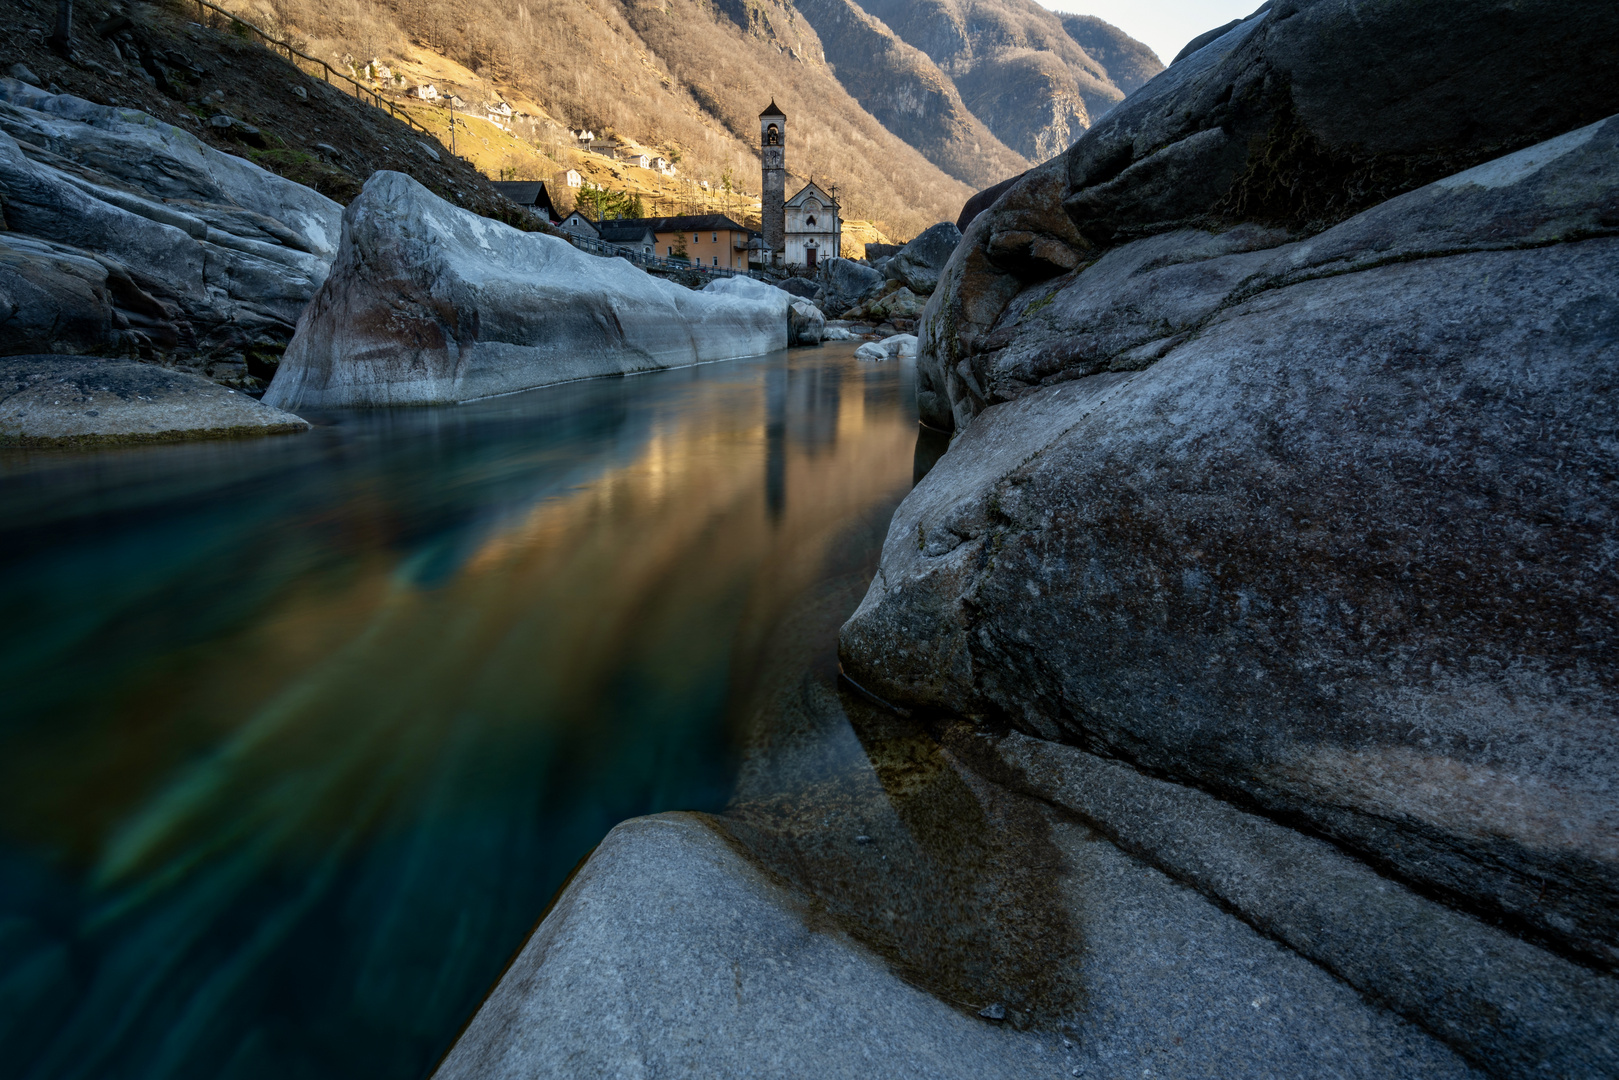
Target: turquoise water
298	736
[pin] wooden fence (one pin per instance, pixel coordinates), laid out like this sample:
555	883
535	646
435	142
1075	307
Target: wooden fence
331	74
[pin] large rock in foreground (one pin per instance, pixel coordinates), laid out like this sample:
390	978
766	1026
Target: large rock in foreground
670	955
429	303
78	401
1342	555
1299	117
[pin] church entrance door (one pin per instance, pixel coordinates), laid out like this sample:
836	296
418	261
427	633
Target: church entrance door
809	258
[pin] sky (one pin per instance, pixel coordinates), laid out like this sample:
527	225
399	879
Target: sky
1163	25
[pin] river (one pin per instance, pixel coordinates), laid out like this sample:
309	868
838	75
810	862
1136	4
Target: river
299	736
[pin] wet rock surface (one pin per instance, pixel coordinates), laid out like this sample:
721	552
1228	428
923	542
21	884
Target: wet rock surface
430	303
76	401
878	902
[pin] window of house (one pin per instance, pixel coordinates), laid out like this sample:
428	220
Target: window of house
716	260
671	251
715	238
696	238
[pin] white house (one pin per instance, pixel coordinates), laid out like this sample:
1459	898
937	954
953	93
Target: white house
813	228
428	92
573	178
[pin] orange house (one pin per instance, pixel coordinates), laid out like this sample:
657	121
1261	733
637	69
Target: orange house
702	239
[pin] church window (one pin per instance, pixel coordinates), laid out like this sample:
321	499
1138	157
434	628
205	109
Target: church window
810	220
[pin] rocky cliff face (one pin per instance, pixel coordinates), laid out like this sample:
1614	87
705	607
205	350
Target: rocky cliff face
1283	468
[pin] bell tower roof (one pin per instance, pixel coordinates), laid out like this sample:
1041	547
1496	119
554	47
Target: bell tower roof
772	111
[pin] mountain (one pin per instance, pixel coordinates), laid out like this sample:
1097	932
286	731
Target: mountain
1128	62
906	108
1016	65
905	90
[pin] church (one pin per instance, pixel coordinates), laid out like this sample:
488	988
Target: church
802	230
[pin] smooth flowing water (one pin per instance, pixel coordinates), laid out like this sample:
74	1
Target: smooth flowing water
298	736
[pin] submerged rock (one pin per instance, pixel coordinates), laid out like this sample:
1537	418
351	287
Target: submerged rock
430	303
79	401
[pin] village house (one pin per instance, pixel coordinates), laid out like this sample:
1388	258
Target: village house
639	160
572	178
711	240
635	234
814	228
529	194
579	225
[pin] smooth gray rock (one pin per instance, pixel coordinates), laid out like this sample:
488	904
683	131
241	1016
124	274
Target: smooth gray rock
78	401
201	254
844	283
805	323
989	897
1279	115
919	263
1513	1008
670	955
1297	118
801	287
1338	555
1141	299
429	303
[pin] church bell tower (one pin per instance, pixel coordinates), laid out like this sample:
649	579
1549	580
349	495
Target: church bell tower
773	164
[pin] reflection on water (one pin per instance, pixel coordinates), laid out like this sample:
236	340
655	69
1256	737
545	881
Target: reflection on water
298	736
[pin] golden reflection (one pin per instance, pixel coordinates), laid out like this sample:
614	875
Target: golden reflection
329	717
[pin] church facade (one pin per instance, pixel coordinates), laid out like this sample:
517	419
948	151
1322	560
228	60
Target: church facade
813	227
800	231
